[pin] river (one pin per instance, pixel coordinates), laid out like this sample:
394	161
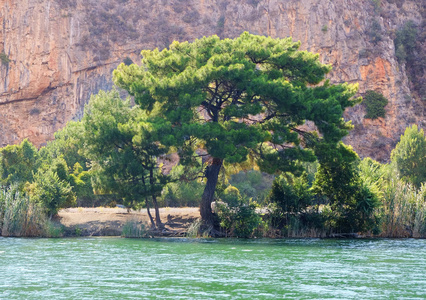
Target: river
118	268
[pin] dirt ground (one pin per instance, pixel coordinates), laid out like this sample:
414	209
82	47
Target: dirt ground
101	221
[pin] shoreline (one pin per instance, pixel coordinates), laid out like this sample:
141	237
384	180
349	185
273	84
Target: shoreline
102	221
109	222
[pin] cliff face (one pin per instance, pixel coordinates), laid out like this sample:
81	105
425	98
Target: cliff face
56	53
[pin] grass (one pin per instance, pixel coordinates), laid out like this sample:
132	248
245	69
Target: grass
20	217
194	229
403	212
134	229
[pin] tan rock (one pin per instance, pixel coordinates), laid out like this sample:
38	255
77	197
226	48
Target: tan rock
61	52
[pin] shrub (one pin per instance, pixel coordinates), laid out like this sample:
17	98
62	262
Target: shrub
253	3
221	23
34	111
134	229
18	163
231	195
405	41
54	230
375	32
51	192
409	156
128	61
240	220
375	105
4	58
291	194
409	49
236	214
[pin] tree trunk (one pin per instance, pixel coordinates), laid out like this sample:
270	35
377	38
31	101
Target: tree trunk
157	213
149	214
212	174
154	200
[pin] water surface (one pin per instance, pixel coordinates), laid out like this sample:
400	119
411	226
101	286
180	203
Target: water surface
118	268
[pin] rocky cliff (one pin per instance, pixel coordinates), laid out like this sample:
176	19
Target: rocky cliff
56	53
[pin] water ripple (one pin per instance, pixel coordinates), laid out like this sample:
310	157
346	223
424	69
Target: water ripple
114	268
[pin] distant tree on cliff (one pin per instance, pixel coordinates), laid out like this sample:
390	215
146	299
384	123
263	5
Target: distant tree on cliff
409	156
239	96
120	142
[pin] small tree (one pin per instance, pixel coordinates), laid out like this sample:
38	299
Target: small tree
405	41
375	105
51	191
351	201
18	163
68	145
238	96
291	195
120	141
409	156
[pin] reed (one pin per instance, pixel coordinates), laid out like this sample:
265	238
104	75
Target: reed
403	210
134	229
19	216
194	229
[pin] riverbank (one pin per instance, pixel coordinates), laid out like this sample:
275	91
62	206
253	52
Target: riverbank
101	221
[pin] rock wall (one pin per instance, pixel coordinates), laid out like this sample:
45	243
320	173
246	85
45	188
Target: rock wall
59	52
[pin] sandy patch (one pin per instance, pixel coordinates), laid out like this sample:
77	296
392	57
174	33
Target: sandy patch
110	221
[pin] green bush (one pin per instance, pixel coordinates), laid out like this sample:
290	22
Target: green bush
405	41
240	220
221	23
409	156
4	58
352	202
375	105
237	215
51	192
291	194
128	61
18	163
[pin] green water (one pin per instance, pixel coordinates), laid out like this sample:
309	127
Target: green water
118	268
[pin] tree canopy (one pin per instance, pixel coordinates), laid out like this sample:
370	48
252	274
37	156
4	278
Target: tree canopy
121	144
409	156
236	97
18	163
